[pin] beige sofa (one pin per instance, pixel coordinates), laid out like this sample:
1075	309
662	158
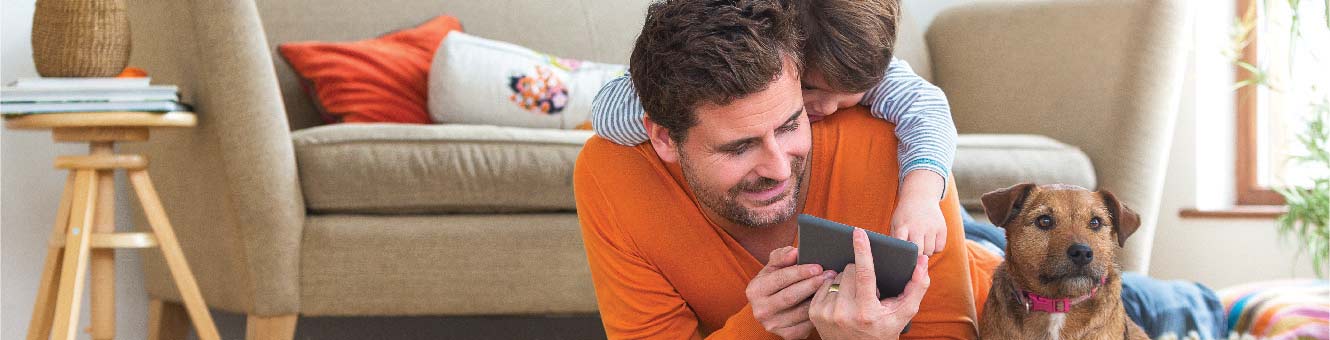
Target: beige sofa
280	217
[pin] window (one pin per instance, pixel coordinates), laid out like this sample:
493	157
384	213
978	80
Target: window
1284	74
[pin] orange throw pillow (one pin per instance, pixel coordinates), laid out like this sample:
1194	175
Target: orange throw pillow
378	80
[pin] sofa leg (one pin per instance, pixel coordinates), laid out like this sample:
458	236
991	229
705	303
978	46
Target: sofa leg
280	327
167	321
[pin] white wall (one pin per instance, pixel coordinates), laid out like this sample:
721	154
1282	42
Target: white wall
29	194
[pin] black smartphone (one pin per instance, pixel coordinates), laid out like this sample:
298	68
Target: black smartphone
830	244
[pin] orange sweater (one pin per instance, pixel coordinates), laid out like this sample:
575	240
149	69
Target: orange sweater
663	271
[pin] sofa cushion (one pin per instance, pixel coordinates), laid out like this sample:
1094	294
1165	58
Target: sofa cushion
397	168
459	264
400	168
987	162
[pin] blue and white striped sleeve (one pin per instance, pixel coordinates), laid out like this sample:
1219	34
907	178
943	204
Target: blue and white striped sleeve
922	117
616	113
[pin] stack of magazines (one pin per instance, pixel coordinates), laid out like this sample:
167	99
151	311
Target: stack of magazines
52	95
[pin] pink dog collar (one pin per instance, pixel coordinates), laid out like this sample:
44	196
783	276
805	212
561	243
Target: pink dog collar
1036	303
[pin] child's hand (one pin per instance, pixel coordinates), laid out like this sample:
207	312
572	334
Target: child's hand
918	218
920	221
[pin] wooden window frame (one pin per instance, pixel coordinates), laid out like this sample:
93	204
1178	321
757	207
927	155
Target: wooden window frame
1248	189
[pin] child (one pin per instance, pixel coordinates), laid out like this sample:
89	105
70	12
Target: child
848	58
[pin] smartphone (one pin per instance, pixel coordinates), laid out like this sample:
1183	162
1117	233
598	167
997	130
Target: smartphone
830	244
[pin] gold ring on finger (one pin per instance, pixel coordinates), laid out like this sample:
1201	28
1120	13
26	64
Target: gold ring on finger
835	287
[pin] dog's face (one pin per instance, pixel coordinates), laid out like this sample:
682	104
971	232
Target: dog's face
1061	239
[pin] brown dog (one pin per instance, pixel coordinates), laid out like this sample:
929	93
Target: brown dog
1061	279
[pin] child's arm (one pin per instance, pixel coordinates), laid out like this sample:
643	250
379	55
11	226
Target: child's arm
922	116
927	146
616	113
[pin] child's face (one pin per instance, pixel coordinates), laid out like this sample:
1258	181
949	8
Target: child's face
821	100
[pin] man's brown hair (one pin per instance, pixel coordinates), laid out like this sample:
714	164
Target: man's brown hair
849	41
696	52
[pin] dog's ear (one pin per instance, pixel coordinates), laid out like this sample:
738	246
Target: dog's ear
1004	204
1125	221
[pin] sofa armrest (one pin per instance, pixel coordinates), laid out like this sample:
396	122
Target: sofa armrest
1103	75
230	184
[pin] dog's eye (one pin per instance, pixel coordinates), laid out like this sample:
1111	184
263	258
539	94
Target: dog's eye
1044	222
1095	223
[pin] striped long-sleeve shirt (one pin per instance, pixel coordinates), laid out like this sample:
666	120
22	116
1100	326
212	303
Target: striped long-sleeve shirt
918	108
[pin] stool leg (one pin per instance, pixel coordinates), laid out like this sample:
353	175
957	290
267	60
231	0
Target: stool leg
39	328
175	256
75	262
103	260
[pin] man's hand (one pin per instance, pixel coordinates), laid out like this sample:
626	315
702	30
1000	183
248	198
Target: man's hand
917	217
779	294
854	312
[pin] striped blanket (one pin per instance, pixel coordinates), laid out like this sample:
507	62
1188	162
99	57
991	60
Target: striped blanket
1292	309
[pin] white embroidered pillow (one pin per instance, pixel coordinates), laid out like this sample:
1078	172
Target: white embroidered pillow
474	80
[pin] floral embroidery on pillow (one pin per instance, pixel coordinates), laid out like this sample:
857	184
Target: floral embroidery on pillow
540	91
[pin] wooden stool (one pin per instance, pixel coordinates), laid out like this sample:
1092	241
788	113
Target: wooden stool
85	223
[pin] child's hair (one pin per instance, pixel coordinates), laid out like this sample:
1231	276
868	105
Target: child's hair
849	41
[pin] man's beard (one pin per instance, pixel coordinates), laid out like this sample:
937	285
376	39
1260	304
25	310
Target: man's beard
726	204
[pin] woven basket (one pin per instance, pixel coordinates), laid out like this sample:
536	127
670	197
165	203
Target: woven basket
80	38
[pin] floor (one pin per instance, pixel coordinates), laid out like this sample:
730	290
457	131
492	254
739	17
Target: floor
232	326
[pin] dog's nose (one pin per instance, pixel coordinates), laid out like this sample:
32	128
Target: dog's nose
1080	254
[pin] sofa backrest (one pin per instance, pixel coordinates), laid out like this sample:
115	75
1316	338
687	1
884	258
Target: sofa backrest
595	30
562	28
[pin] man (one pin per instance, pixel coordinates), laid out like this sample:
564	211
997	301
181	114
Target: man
690	235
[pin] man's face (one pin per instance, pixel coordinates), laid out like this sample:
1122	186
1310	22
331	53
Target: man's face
745	160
